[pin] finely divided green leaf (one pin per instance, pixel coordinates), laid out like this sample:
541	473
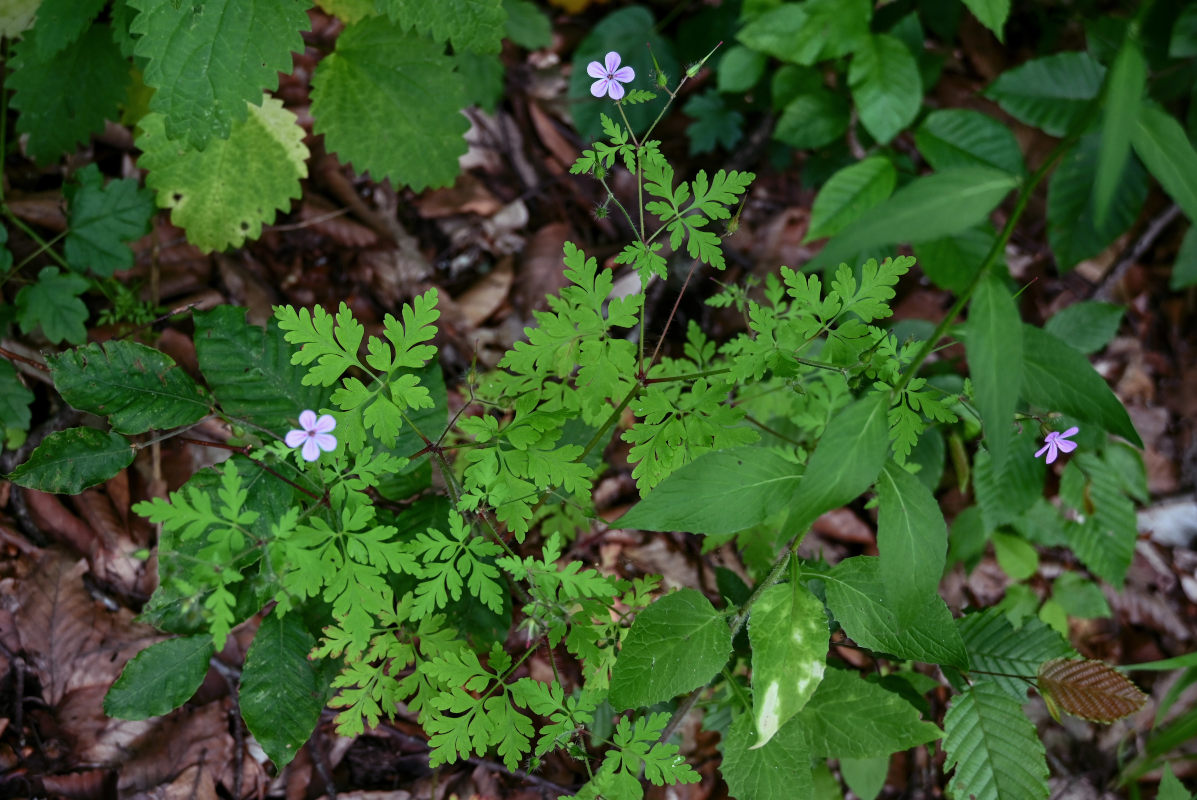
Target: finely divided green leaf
849	716
1050	92
993	747
137	387
103	220
281	698
788	632
1161	142
1087	326
912	540
958	137
160	678
849	193
885	84
389	102
1124	96
678	643
781	770
994	645
994	346
1058	378
69	461
721	492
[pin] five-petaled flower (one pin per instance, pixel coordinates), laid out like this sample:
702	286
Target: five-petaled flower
610	76
1056	443
313	435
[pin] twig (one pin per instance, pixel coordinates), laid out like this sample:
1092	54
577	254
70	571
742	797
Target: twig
1105	290
23	359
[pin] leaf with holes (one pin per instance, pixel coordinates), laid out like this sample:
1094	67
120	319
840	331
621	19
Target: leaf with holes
1091	690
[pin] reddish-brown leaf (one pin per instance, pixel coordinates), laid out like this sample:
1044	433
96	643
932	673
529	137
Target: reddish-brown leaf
1091	690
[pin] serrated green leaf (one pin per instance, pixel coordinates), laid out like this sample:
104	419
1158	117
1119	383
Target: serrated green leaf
951	262
849	716
1005	495
856	596
390	103
65	99
160	678
813	119
249	369
1050	92
959	137
994	346
778	771
678	643
103	220
1104	533
474	25
925	209
1058	378
209	62
1087	326
527	25
1170	786
223	194
280	698
137	387
886	87
1073	231
67	462
1124	96
1161	142
991	13
912	540
849	193
721	492
788	632
993	748
15	398
996	646
60	23
53	303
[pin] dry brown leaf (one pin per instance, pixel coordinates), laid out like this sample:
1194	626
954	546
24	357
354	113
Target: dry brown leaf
325	218
184	751
247	289
488	293
40	209
467	195
549	130
540	270
1091	690
56	521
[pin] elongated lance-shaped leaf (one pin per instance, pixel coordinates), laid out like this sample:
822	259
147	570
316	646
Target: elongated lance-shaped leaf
1124	95
849	193
788	631
912	540
160	678
70	461
1165	148
994	347
281	698
1088	689
993	748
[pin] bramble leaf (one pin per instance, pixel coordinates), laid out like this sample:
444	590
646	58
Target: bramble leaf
475	25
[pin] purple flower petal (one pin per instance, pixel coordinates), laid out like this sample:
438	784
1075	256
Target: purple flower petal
1052	452
295	438
325	424
599	87
625	75
307	419
615	90
325	441
1065	445
611	62
1043	449
595	70
1073	431
311	450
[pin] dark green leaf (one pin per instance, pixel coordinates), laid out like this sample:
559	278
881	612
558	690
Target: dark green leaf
813	119
1183	43
67	462
281	698
885	84
1162	144
994	645
160	678
1124	96
15	398
781	770
1104	535
104	219
60	23
993	748
474	25
1088	326
951	262
994	346
527	25
1005	495
53	303
1184	269
991	13
849	193
1050	92
714	123
850	716
739	69
912	540
958	137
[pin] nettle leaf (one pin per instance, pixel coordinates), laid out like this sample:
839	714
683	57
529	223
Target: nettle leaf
994	346
1087	326
958	137
137	387
1049	93
209	62
1124	96
912	540
160	678
886	87
721	492
103	220
1161	142
789	636
66	98
67	462
995	645
53	303
281	697
780	770
678	643
849	193
390	103
1091	690
850	717
475	25
60	23
923	210
223	194
993	747
1059	378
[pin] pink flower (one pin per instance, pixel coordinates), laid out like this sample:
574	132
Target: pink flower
313	435
1057	443
610	77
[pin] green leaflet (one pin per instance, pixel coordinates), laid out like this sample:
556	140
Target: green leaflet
912	539
1051	92
886	87
849	716
281	697
849	193
993	748
994	645
1087	326
160	678
53	303
69	461
1161	142
788	632
780	770
994	347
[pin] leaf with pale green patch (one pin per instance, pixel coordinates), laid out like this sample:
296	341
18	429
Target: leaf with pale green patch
788	632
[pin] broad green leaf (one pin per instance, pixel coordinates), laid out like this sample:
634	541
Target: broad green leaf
865	776
739	69
781	770
1183	43
1049	93
1161	142
885	84
527	25
849	716
1015	555
390	103
67	462
774	31
678	643
1104	533
993	343
1079	597
856	596
721	492
160	678
53	303
137	387
281	698
474	25
808	32
1005	495
991	13
958	137
788	632
994	645
813	119
209	62
912	540
845	462
1170	786
60	23
993	748
1123	100
951	262
249	370
1058	378
348	11
1072	228
65	99
223	194
1087	326
923	210
1184	269
849	193
15	398
103	220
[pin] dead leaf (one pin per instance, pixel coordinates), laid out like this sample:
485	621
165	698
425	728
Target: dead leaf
540	268
56	521
488	293
247	289
467	195
181	757
325	218
563	151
